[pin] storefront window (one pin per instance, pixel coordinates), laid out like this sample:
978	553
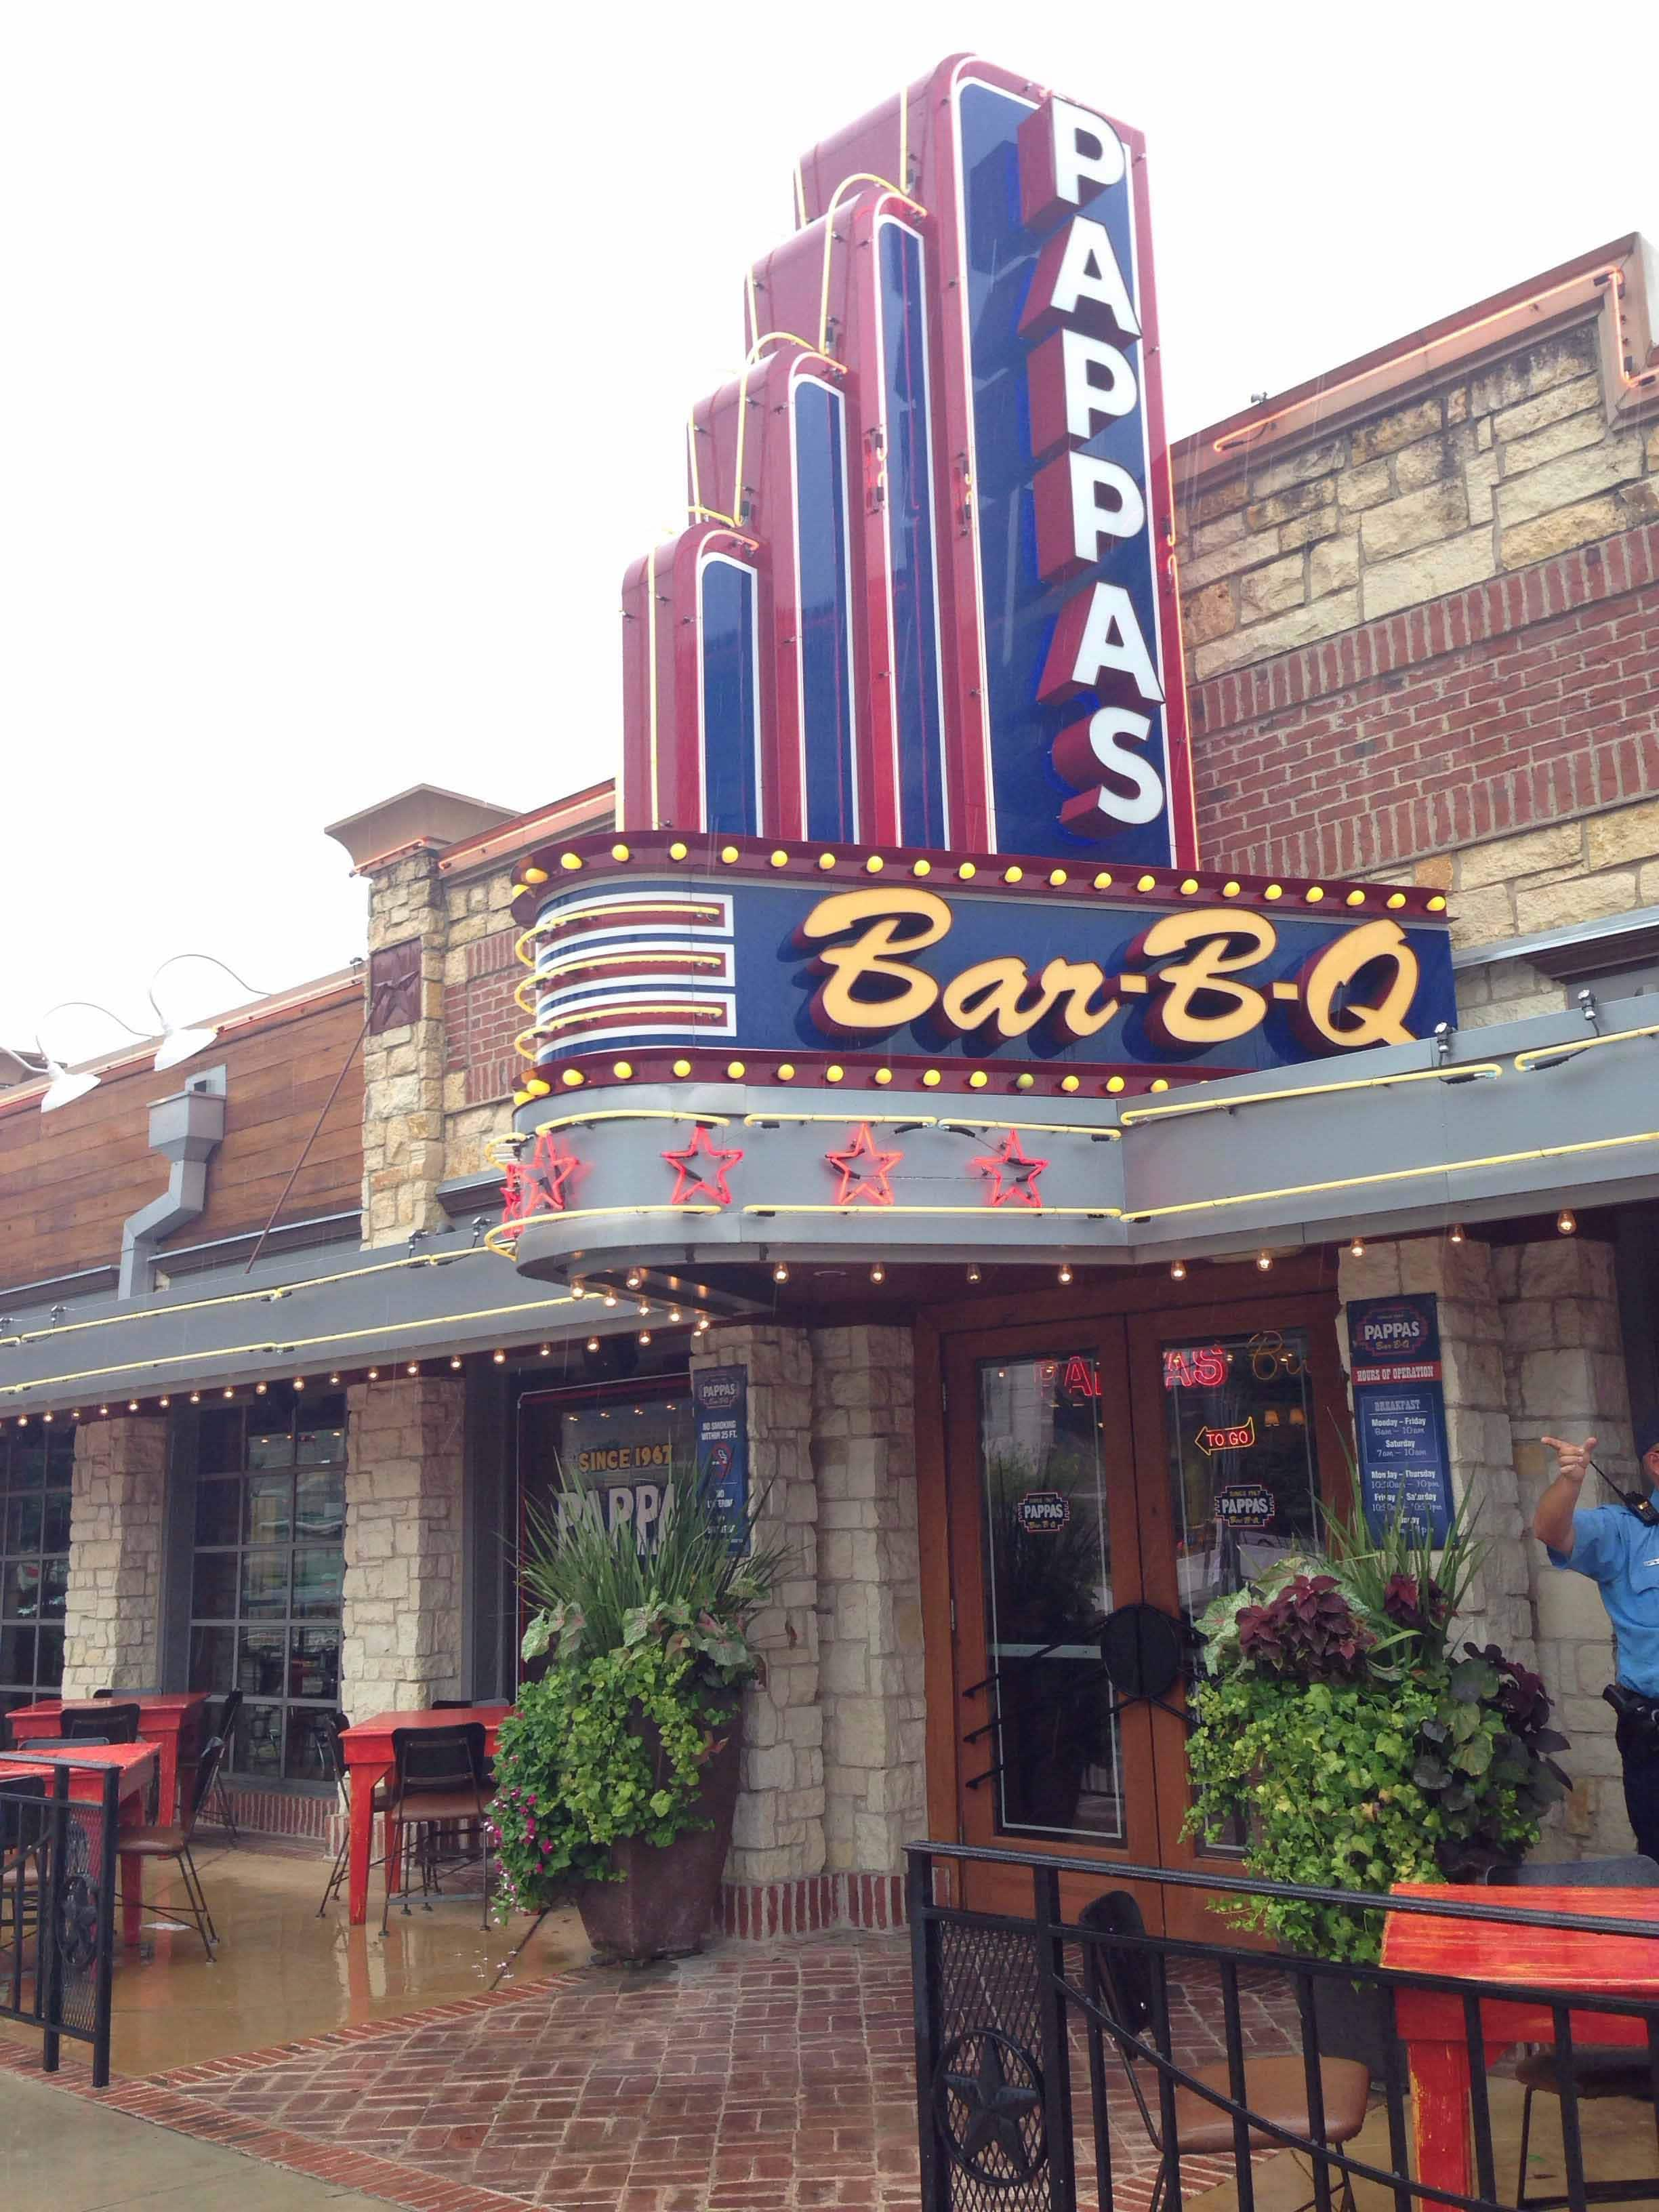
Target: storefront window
267	1567
1238	1418
1051	1750
35	1465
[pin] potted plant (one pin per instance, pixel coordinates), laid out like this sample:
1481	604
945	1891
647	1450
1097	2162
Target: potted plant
617	1771
1340	1724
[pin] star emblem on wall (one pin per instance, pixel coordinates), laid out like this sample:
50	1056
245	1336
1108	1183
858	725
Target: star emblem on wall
864	1169
700	1170
993	2118
536	1184
1012	1176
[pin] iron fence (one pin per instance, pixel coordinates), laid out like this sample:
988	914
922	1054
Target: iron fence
1075	2064
58	1880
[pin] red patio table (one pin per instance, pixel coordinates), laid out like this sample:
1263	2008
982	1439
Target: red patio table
367	1747
135	1763
172	1722
1432	2021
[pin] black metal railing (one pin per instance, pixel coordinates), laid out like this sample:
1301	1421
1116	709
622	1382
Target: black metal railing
1054	2053
57	1883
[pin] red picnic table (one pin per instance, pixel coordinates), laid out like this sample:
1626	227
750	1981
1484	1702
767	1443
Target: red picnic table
136	1764
1432	2025
367	1748
171	1720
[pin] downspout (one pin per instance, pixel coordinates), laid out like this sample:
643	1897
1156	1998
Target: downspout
186	1130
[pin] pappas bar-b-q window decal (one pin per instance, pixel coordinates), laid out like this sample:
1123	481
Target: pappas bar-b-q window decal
925	593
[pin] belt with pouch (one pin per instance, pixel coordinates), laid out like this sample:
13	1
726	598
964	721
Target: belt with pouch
1635	1707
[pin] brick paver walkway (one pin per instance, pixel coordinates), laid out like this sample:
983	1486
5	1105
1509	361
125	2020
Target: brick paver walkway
742	2080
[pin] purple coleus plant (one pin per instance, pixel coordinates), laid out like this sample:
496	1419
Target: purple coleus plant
1308	1631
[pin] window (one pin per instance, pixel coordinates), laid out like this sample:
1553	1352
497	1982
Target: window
35	1464
266	1569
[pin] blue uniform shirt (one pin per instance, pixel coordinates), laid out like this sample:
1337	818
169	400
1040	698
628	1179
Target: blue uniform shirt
1621	1553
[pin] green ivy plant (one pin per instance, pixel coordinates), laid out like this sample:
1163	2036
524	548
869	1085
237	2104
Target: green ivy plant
648	1652
1337	1722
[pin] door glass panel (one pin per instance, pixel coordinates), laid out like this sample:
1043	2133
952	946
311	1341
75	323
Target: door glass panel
1047	1747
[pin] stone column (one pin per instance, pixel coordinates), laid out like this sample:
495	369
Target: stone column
404	1063
113	1615
1463	1278
402	1599
1565	1366
869	1604
778	1837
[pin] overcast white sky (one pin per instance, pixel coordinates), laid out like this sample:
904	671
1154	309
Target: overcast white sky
350	343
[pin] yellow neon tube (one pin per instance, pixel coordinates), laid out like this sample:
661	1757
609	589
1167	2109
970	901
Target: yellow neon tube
635	1113
1031	1213
1131	1116
1524	1061
863	177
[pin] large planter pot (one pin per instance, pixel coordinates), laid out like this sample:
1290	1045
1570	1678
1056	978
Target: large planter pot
664	1906
1352	2018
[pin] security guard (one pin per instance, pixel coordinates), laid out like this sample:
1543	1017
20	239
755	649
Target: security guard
1618	1547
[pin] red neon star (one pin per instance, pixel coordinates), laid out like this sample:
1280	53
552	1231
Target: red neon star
864	1170
536	1185
1014	1176
695	1185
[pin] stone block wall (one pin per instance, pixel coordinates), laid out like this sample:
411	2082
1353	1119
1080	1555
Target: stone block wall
118	1504
1489	473
869	1595
403	1065
1531	1346
402	1593
1565	1369
779	1833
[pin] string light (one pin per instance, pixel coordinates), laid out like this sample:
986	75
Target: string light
673	1313
374	1373
1455	1235
160	1401
610	1297
1357	1249
644	1336
973	1271
779	1274
259	1389
413	1368
500	1359
455	1361
1264	1260
547	1351
593	1343
644	1308
878	1273
1065	1271
635	1279
1566	1221
230	1394
334	1378
702	1325
195	1399
299	1382
103	1409
578	1288
1177	1271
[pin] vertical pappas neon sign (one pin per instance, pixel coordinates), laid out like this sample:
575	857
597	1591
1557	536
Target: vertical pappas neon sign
924	597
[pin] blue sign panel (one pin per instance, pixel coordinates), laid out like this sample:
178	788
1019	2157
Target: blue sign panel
900	969
826	610
1399	1413
1086	763
731	704
909	494
720	1396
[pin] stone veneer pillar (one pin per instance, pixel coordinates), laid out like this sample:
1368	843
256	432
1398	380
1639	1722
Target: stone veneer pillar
404	1066
112	1613
778	1836
402	1598
869	1597
1564	1361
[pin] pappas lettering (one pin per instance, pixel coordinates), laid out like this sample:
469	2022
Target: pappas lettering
1044	1512
1203	1367
1204	978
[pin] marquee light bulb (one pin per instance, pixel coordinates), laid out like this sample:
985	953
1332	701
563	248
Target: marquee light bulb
635	1279
644	1307
593	1343
779	1274
299	1382
195	1399
259	1389
1357	1249
878	1273
1567	1221
1177	1271
610	1297
414	1367
973	1272
160	1401
456	1361
500	1359
547	1351
644	1336
374	1373
1264	1260
1455	1235
333	1378
1065	1272
673	1313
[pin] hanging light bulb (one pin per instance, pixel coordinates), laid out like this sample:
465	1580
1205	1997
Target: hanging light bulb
1177	1271
374	1373
673	1313
973	1271
610	1297
500	1359
578	1288
779	1274
644	1336
1567	1221
1357	1249
547	1351
299	1382
1454	1234
258	1389
334	1378
160	1401
644	1307
702	1325
878	1273
1264	1260
635	1279
455	1360
414	1367
593	1343
195	1399
1065	1271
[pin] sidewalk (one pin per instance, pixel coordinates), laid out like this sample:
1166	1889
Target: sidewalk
84	2157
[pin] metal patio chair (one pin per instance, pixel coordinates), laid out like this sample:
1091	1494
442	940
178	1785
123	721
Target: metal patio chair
102	1723
224	1727
170	1842
330	1728
439	1780
1599	2071
1119	1982
22	1851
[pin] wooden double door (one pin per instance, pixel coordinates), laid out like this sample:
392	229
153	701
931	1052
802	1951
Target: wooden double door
1127	1467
